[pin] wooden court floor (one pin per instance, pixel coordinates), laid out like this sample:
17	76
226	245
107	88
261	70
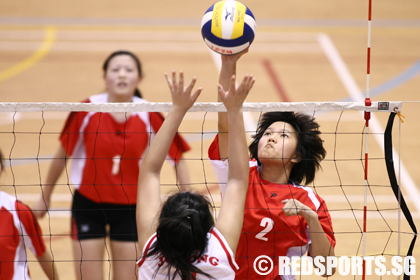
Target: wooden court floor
52	51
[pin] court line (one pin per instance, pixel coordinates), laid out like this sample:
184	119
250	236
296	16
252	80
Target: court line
394	82
356	94
34	58
276	81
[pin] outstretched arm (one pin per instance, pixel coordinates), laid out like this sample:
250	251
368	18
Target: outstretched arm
56	168
227	71
148	194
231	214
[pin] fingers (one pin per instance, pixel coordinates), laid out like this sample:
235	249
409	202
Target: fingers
174	86
247	83
291	207
171	83
251	82
235	97
221	91
182	97
292	202
173	77
191	84
181	79
168	81
233	58
196	94
232	87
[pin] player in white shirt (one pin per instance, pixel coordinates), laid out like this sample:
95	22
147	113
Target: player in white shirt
180	239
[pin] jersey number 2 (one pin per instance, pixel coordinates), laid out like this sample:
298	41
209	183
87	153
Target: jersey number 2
268	225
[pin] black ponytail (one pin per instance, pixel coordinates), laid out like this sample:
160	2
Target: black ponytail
184	223
136	59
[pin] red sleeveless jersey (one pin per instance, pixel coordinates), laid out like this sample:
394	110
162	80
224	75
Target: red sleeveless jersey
106	154
266	229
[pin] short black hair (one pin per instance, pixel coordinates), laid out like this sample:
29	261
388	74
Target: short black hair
309	147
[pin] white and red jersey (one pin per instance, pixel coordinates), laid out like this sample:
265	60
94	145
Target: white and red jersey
106	153
218	261
19	230
266	229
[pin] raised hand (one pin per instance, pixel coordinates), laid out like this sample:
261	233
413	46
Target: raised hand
235	97
181	96
232	59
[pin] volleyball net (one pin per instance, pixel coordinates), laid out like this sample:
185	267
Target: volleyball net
370	212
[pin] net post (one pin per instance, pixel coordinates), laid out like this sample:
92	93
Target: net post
368	103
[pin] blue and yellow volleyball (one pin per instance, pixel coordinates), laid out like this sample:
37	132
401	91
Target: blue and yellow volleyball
228	27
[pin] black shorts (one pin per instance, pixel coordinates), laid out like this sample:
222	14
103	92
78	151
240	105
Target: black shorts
90	220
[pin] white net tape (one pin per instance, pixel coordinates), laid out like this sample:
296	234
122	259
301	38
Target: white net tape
200	107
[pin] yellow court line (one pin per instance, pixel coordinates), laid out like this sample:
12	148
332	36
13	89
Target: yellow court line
34	58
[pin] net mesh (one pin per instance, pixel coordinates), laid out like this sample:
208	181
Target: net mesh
29	139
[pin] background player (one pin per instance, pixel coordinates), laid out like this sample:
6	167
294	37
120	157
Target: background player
281	218
184	242
20	230
106	149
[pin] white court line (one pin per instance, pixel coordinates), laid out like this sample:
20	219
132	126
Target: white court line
356	94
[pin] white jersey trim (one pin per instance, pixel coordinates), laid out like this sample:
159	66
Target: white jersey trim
221	169
77	166
20	266
217	235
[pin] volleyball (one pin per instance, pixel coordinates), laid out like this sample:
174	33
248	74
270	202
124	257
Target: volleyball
228	27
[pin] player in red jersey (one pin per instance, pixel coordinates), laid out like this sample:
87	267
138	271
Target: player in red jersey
282	217
20	230
180	238
106	150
